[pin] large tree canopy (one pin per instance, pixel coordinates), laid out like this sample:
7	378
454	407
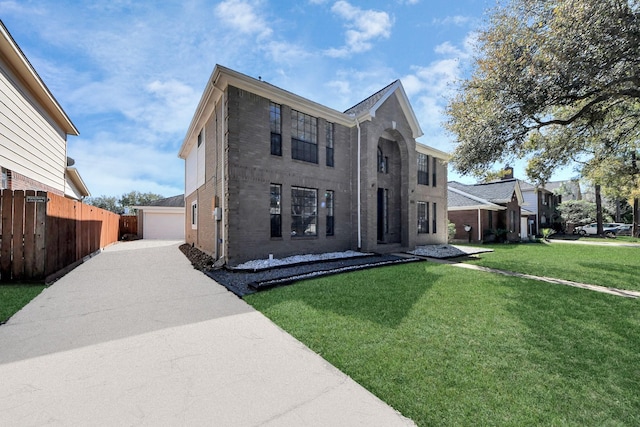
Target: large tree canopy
555	81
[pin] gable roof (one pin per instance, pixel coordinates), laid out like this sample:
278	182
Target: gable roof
458	199
173	202
499	192
21	66
366	109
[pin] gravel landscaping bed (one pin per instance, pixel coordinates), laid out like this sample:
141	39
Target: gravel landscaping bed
247	281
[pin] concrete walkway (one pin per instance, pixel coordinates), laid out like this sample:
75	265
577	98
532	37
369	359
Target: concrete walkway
136	336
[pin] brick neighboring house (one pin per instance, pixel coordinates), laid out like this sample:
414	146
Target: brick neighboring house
270	172
33	129
543	202
492	210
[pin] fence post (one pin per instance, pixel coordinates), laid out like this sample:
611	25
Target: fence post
5	247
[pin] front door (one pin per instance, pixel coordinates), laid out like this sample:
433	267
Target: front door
383	209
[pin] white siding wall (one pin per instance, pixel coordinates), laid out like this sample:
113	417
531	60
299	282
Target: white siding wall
530	201
31	144
201	162
191	172
195	168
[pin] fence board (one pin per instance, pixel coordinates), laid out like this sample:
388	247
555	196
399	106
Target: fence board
29	235
5	245
17	261
40	255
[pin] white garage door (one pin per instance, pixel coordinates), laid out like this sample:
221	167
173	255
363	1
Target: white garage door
163	225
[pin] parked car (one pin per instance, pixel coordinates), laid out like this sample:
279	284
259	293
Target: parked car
608	229
624	229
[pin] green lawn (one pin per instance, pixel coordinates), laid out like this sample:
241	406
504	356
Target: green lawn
610	266
447	346
14	297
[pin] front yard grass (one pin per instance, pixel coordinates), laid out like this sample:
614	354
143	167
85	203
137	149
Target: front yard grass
14	297
610	266
448	346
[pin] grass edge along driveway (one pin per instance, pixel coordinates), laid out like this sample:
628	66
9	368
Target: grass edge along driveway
447	346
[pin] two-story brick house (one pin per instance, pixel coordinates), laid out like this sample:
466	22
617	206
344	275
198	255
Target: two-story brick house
268	172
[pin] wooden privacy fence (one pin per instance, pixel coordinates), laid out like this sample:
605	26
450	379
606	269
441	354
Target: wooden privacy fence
128	225
43	234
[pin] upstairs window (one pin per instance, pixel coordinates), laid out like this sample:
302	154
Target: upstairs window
433	178
304	137
275	120
383	162
330	133
423	169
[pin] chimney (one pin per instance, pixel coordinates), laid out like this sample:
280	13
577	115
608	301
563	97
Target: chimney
508	173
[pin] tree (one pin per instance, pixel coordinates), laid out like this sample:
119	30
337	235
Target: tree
577	211
120	205
109	203
555	82
136	198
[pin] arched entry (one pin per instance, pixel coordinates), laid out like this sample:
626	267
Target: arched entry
389	200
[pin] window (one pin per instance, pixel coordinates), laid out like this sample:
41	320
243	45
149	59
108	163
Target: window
490	220
304	137
330	218
330	132
423	217
276	210
194	214
4	179
383	162
435	164
200	137
423	169
434	216
304	205
275	120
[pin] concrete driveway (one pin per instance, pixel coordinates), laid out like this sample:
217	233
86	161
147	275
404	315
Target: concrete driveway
136	336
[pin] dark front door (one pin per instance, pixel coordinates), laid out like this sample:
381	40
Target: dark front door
382	213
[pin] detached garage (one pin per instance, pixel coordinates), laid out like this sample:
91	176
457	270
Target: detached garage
163	219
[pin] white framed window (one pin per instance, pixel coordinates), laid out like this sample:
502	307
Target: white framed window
194	214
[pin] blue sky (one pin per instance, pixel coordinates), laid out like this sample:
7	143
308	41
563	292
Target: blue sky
129	73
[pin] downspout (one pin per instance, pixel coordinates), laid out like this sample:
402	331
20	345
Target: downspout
223	200
479	226
359	190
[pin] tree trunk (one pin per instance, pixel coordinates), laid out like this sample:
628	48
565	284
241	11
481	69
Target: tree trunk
599	210
636	217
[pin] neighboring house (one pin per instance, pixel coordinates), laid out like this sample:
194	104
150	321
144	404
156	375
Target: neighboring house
162	219
490	211
33	129
543	202
269	172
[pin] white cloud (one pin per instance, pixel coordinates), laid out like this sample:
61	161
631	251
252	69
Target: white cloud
431	86
457	20
242	16
363	26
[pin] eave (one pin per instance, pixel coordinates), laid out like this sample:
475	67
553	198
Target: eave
28	76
